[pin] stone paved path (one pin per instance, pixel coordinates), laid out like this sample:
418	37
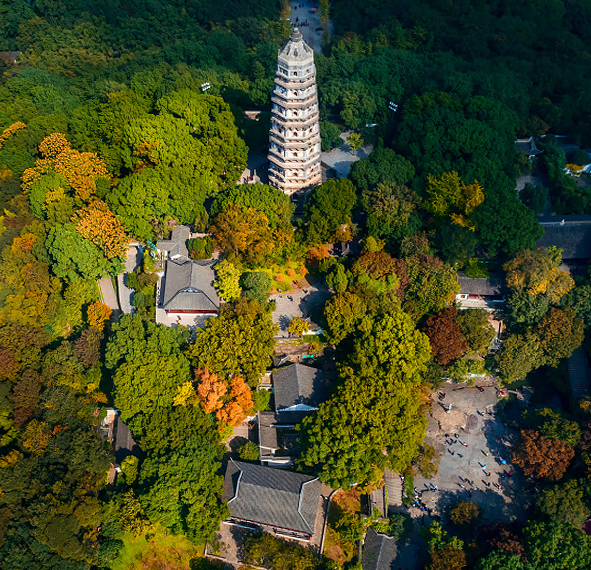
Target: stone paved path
342	158
133	260
108	293
302	305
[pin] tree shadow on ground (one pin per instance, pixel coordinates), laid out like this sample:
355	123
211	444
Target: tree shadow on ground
284	321
239	535
236	442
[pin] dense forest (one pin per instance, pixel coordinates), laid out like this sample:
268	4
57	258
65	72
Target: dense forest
108	135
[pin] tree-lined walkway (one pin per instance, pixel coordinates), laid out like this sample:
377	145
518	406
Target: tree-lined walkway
108	294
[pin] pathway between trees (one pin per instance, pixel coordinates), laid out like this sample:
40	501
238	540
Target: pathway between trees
302	12
108	293
134	258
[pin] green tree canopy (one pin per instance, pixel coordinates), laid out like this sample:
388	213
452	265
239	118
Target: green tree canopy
519	355
256	286
557	546
275	204
149	366
75	257
390	211
382	166
239	342
476	329
565	503
536	273
375	410
329	209
186	149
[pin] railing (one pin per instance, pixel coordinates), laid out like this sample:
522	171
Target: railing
290	82
284	98
284	139
286	161
284	119
311	101
294	123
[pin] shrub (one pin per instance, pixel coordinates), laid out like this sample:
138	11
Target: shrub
349	527
139	300
200	248
132	281
428	461
465	513
399	524
261	400
249	451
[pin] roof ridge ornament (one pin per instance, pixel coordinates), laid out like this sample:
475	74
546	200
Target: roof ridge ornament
295	34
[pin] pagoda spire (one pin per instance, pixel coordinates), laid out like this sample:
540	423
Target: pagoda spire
294	137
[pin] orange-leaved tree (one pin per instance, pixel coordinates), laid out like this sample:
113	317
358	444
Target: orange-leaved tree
230	400
9	131
80	169
210	390
99	225
240	403
98	314
542	457
243	231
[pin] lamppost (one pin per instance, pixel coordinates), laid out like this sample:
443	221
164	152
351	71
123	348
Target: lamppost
205	87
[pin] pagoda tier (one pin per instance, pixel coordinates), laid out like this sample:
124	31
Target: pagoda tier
294	137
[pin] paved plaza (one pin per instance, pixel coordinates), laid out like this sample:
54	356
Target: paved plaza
303	303
302	12
341	159
473	444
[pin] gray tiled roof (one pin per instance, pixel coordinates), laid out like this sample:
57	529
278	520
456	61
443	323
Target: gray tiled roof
379	551
188	286
492	285
299	384
267	431
176	246
273	497
296	50
527	146
123	443
573	237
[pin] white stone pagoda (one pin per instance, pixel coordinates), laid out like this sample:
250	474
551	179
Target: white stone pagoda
294	138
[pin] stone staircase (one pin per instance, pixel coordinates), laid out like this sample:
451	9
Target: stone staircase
377	499
578	372
395	488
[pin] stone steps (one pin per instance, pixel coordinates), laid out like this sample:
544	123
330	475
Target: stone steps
395	488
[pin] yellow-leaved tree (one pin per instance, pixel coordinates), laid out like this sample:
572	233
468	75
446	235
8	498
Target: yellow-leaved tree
98	315
9	131
448	195
80	170
537	272
99	225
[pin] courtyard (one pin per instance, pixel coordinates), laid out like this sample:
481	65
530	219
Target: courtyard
305	303
475	449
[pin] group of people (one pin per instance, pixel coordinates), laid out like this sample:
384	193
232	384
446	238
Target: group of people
418	496
451	441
